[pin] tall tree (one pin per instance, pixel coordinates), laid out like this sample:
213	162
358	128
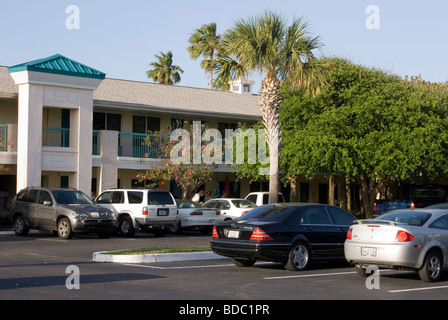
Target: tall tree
282	53
164	71
205	42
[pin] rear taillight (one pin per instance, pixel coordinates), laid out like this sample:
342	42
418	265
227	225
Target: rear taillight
403	236
215	233
349	234
260	235
145	211
374	207
244	212
196	213
412	205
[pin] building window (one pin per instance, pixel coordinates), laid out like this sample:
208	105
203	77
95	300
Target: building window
142	124
106	121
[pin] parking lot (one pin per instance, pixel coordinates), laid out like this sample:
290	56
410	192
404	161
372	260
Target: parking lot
41	266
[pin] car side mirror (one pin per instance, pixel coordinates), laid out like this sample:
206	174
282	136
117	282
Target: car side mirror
47	203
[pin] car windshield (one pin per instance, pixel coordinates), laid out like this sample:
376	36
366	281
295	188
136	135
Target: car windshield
413	218
244	204
188	205
71	197
272	212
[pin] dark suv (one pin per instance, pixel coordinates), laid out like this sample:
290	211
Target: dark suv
63	211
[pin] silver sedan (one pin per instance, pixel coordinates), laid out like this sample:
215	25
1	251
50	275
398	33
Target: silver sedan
414	240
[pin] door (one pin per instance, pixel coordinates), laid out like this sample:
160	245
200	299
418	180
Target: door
321	233
45	212
29	207
342	220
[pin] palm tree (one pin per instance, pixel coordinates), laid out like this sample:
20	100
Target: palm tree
164	71
205	42
282	53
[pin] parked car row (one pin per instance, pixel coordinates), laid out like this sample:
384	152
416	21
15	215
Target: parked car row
69	211
296	235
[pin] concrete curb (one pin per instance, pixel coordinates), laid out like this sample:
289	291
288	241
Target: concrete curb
158	257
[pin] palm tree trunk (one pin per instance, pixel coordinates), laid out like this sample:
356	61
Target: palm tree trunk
270	99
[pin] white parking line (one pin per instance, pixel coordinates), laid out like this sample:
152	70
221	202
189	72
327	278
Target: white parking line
184	267
309	275
418	289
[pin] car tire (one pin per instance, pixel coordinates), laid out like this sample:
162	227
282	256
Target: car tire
299	257
20	226
126	227
175	228
432	267
64	229
245	263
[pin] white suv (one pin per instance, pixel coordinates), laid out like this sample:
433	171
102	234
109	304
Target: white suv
145	209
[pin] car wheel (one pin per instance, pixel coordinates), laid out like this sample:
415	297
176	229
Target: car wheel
432	267
20	226
299	257
175	228
126	227
64	229
244	262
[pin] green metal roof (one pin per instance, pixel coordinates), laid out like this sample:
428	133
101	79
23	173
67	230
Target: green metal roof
60	65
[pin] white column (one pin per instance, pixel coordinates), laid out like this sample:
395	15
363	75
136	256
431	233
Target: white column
29	140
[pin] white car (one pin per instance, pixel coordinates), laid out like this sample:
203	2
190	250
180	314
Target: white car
231	208
401	239
262	197
193	215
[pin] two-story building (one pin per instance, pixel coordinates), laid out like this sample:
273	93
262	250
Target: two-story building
65	124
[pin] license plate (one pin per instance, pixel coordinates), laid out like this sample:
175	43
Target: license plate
368	252
162	212
235	234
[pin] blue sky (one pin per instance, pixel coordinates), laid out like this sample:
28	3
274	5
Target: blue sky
121	38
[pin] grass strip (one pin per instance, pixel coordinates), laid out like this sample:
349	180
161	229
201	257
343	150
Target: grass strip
158	250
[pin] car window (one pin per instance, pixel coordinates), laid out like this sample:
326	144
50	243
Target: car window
252	197
31	196
135	196
189	205
272	212
21	195
265	198
315	215
118	197
243	204
441	223
223	205
44	196
340	216
210	204
105	197
411	217
159	198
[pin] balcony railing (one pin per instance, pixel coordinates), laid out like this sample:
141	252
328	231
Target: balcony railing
139	145
55	137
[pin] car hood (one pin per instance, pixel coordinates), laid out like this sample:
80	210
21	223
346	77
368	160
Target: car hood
85	208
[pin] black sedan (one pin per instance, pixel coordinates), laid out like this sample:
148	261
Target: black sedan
291	234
